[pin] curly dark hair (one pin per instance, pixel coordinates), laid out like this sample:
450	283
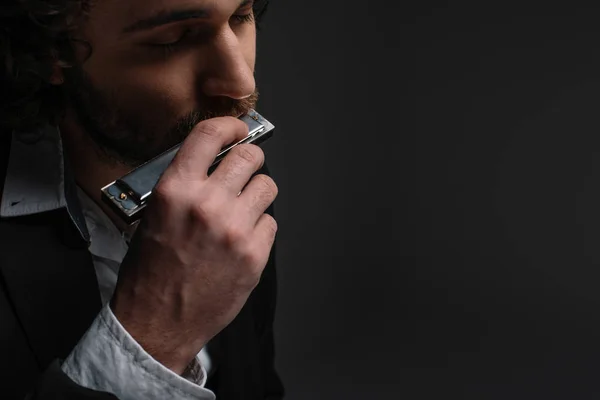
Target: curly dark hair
34	36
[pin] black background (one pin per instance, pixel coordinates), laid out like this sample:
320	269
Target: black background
439	207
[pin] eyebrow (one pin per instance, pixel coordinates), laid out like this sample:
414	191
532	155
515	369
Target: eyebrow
170	16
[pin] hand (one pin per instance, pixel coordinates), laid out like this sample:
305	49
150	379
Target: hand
200	249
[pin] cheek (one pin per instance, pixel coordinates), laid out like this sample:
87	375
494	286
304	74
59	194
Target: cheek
154	93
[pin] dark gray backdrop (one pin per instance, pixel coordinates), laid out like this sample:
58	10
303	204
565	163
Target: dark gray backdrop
439	203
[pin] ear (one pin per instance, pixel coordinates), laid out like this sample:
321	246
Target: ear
57	76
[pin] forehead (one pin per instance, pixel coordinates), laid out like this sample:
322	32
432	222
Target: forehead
115	14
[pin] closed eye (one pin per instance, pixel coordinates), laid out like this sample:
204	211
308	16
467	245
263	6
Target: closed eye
169	47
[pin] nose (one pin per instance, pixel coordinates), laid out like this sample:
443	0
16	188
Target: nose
230	70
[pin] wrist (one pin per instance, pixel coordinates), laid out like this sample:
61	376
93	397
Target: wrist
162	345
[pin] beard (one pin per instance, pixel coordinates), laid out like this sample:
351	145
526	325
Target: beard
130	137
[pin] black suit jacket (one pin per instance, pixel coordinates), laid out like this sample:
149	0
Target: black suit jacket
49	296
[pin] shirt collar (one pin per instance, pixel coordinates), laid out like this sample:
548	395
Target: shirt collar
38	180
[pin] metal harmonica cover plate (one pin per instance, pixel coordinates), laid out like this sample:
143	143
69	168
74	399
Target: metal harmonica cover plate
128	195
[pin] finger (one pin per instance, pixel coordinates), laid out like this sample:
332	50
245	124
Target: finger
264	234
199	150
236	169
258	195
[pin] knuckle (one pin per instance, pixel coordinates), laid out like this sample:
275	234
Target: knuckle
248	153
209	128
251	259
202	213
269	229
164	190
233	237
268	184
271	224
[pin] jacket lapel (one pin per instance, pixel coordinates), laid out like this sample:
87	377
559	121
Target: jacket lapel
50	279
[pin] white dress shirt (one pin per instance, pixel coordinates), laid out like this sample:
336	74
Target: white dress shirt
106	358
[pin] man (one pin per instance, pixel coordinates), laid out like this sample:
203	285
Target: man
180	306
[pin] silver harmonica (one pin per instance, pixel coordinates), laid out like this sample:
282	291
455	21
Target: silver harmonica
128	196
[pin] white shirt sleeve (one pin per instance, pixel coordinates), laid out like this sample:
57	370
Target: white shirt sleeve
107	358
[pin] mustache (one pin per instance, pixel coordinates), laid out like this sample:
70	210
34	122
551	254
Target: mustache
212	108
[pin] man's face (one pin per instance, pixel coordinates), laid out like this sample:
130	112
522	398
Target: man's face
157	68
